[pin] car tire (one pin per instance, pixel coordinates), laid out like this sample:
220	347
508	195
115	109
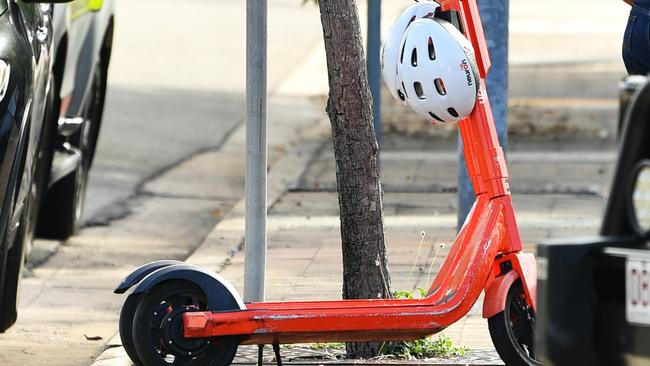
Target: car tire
15	253
13	275
96	110
61	212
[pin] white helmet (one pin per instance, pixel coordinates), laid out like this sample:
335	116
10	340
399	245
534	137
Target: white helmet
438	71
391	50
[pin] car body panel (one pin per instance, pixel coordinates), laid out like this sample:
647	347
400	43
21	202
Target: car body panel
85	34
37	23
25	45
30	63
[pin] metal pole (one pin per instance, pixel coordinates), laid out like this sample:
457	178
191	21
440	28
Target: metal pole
373	65
256	149
495	15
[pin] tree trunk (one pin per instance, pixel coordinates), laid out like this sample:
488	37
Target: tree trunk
365	268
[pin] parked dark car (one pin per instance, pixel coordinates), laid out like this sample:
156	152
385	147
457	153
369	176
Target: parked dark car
47	134
25	51
593	293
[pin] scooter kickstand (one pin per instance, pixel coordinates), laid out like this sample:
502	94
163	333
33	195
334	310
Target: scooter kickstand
276	349
260	355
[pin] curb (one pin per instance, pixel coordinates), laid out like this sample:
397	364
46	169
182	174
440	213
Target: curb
113	355
227	237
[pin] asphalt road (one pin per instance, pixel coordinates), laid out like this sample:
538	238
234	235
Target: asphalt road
177	86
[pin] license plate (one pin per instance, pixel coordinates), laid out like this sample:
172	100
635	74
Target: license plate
637	291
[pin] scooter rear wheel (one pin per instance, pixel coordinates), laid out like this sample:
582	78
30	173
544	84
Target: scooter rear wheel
126	326
158	329
512	330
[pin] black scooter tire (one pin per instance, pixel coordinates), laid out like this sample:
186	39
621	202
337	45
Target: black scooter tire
149	344
513	351
126	326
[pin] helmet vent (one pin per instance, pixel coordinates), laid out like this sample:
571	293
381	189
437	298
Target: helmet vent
401	57
435	117
414	57
452	112
440	86
401	95
419	91
432	50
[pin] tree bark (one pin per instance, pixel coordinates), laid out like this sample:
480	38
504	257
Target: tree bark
365	267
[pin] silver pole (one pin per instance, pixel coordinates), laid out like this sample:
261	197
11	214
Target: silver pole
256	149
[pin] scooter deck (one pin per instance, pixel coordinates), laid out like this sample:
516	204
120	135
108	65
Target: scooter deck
454	292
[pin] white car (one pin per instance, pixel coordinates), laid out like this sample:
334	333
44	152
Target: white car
83	37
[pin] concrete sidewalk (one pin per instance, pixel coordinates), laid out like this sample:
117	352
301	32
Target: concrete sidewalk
304	256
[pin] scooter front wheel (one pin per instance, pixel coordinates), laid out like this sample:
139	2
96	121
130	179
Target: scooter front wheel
158	329
512	330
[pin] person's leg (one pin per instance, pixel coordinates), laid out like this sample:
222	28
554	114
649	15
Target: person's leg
628	57
640	44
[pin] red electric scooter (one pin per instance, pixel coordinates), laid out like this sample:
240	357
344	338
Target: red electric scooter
184	315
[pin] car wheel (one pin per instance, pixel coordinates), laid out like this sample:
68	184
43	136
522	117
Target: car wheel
13	273
62	210
96	110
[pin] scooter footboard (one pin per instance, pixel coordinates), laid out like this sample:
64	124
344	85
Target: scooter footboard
362	320
404	321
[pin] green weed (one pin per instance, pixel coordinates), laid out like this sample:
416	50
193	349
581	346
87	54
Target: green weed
328	346
441	347
408	294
